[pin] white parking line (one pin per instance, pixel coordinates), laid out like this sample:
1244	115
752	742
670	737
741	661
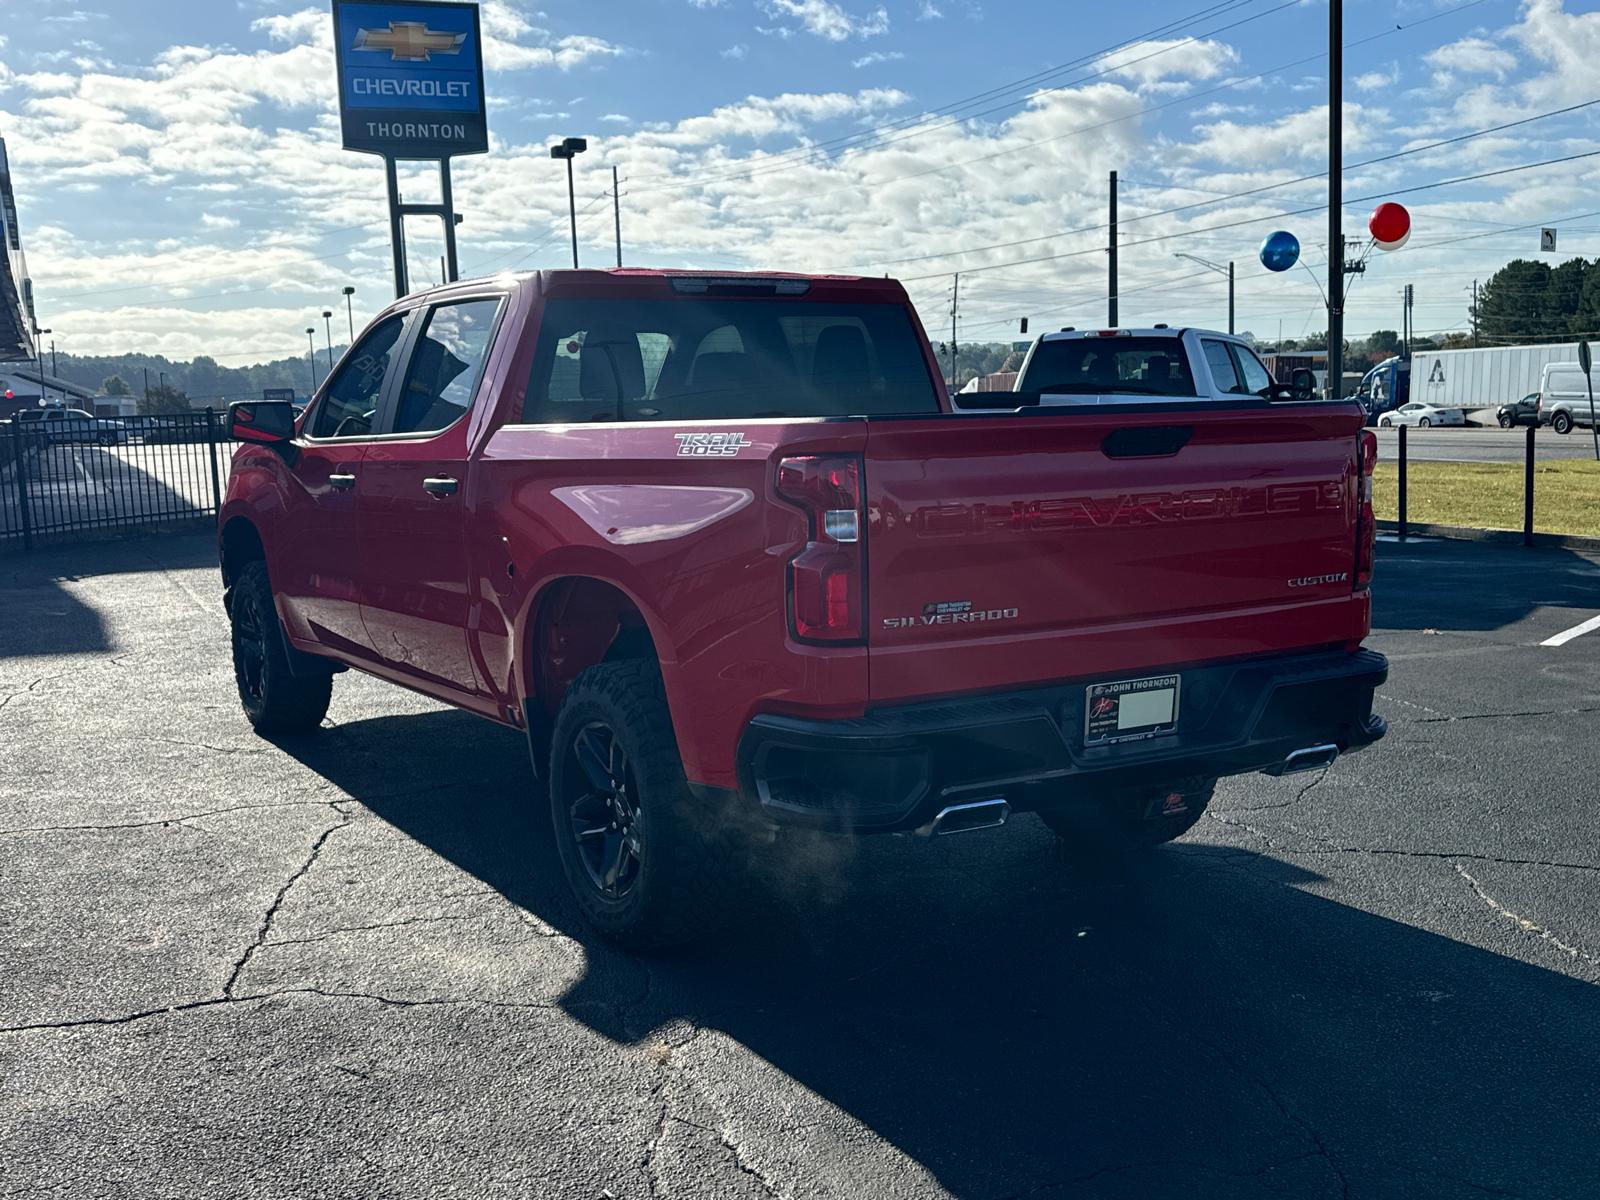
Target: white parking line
1566	635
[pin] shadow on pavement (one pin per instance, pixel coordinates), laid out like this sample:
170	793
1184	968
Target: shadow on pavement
42	617
1462	586
1191	1022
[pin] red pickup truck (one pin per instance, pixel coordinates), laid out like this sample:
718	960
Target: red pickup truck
721	547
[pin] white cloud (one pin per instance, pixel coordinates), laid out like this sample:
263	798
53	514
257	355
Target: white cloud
828	20
738	51
617	117
1299	135
707	3
1151	63
929	13
1373	81
877	56
1472	56
211	221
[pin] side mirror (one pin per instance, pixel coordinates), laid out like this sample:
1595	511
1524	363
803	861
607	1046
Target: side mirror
1303	384
261	421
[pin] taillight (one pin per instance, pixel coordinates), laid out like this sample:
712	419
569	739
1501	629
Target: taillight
826	602
1367	525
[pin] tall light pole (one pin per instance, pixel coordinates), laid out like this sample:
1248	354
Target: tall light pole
350	313
311	340
616	211
327	324
1218	267
1335	199
38	361
569	149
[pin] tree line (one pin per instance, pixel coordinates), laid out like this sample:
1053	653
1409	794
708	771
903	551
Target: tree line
1528	301
173	383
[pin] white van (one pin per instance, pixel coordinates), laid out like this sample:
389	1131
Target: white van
1564	396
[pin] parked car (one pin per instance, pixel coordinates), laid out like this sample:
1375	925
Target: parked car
1159	365
73	426
177	428
1523	412
1422	415
719	545
1564	396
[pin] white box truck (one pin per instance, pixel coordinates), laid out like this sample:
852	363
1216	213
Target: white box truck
1469	379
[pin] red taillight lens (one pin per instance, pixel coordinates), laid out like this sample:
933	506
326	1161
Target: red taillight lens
1367	525
825	580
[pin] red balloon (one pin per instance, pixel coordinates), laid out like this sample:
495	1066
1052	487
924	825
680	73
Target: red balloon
1390	222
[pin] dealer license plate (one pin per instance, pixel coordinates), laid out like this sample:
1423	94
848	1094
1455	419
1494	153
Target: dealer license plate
1130	709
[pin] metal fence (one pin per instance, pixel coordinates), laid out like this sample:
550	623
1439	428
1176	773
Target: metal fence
61	477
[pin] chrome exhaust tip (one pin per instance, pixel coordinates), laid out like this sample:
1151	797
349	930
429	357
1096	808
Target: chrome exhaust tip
1312	758
964	818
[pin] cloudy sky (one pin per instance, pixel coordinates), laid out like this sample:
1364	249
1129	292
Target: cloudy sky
181	189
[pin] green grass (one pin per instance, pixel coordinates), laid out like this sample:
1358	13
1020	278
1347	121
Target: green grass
1566	495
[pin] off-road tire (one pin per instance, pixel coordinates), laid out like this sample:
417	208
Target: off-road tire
275	700
1561	423
1506	422
1119	825
686	865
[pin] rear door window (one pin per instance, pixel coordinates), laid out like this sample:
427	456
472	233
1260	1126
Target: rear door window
697	359
445	366
1223	372
1253	375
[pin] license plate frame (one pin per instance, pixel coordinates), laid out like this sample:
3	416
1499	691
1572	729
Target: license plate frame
1105	727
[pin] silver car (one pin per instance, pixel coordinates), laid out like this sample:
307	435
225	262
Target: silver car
1423	415
73	426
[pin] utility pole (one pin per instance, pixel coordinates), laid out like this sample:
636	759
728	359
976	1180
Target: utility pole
1335	199
1474	312
1230	295
1111	249
1221	270
616	211
955	292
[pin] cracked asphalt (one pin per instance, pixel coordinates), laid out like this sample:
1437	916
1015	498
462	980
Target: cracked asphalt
345	965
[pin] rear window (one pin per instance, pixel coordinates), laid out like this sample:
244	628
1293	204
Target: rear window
1143	366
684	360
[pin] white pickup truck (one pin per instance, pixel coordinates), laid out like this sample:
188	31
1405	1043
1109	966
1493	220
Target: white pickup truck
1125	366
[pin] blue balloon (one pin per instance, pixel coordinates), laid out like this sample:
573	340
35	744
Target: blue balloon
1280	251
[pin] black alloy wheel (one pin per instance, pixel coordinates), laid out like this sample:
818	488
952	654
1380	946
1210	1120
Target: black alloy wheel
605	819
249	648
274	699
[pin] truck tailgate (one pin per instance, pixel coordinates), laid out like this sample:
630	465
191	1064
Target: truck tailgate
1011	549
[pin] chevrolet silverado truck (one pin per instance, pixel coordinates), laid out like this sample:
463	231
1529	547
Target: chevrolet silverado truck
720	546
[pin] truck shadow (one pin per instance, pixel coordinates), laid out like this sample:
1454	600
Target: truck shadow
1475	585
1192	1022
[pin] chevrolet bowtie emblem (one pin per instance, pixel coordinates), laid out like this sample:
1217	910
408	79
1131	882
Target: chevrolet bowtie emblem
409	41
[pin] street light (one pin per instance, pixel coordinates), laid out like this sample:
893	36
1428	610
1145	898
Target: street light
311	340
1225	270
349	314
327	323
38	362
569	148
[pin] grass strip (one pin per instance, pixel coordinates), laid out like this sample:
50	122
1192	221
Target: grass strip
1566	494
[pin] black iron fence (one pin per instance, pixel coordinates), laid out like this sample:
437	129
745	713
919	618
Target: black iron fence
64	476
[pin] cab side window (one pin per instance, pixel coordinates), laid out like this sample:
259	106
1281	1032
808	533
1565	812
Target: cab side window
351	400
444	369
1221	364
1251	372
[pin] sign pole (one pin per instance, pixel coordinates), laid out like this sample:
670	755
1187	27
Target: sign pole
449	218
397	229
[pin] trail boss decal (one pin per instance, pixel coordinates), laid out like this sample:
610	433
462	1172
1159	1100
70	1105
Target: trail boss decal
1313	580
709	445
950	612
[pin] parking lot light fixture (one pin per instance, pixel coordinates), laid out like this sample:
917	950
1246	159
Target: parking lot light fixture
327	323
349	312
568	149
311	340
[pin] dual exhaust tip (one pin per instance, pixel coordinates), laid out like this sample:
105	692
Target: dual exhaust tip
990	814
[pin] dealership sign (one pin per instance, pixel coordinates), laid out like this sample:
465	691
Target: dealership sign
410	78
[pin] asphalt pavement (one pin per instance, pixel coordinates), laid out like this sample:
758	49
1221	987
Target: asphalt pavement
1457	444
345	965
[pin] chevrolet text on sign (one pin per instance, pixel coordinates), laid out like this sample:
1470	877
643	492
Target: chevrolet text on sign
410	78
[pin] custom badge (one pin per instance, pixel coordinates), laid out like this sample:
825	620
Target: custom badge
709	445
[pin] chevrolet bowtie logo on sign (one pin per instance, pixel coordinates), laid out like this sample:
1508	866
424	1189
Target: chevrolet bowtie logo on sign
409	41
410	77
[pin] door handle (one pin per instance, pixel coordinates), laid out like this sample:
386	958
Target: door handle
342	481
440	485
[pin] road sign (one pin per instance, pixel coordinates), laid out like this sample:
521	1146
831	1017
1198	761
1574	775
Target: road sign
278	394
410	78
1547	239
1585	358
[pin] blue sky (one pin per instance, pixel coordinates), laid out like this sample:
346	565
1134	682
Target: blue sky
181	189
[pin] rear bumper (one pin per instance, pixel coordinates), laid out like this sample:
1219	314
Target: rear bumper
896	768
